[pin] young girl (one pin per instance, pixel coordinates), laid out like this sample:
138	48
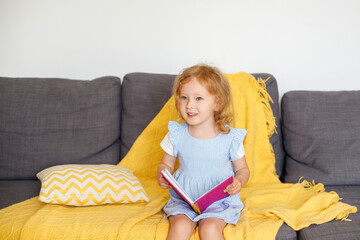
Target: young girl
209	151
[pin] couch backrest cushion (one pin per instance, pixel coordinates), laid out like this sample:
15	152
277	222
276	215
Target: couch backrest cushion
144	94
321	133
47	122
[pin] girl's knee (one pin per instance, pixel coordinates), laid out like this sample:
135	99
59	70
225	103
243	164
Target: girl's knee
211	228
181	227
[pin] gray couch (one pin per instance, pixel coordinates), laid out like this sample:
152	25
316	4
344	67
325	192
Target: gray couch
46	122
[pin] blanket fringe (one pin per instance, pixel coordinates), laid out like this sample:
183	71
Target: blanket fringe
316	187
265	100
343	216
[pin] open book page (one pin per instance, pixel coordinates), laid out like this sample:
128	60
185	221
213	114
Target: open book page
176	186
213	195
206	199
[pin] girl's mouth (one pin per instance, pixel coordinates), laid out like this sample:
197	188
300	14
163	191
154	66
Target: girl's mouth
192	114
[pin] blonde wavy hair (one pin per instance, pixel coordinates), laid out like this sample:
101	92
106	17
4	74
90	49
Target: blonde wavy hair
216	84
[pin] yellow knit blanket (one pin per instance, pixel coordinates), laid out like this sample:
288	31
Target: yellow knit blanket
268	202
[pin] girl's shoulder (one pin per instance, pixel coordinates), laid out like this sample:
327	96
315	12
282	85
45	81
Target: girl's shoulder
237	133
237	136
176	131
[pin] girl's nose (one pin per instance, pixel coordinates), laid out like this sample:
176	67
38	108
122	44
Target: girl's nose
190	103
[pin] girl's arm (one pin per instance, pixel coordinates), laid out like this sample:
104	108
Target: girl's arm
242	174
167	162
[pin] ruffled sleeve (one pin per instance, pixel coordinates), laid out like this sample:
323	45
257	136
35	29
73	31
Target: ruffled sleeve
238	136
175	132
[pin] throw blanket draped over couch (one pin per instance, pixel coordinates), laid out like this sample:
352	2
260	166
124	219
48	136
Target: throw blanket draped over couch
268	202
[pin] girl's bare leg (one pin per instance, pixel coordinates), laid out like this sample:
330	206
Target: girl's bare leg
181	227
211	228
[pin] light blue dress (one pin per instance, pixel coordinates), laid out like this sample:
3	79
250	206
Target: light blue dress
204	163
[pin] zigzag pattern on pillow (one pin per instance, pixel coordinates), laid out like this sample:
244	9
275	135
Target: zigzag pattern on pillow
83	185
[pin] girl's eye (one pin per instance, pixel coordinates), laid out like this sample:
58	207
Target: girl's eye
199	98
183	97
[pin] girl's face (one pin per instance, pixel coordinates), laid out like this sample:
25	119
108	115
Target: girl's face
197	105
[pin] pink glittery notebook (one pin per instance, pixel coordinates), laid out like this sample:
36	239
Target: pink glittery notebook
206	199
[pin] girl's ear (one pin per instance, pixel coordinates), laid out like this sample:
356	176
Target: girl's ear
218	104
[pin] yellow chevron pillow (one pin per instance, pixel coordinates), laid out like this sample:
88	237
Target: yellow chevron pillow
83	185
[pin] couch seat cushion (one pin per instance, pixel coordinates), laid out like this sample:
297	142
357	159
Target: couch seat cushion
286	233
335	229
15	191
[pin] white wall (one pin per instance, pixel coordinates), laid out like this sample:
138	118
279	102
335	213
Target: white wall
305	44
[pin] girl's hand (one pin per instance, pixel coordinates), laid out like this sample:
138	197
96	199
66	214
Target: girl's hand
234	188
242	174
162	181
